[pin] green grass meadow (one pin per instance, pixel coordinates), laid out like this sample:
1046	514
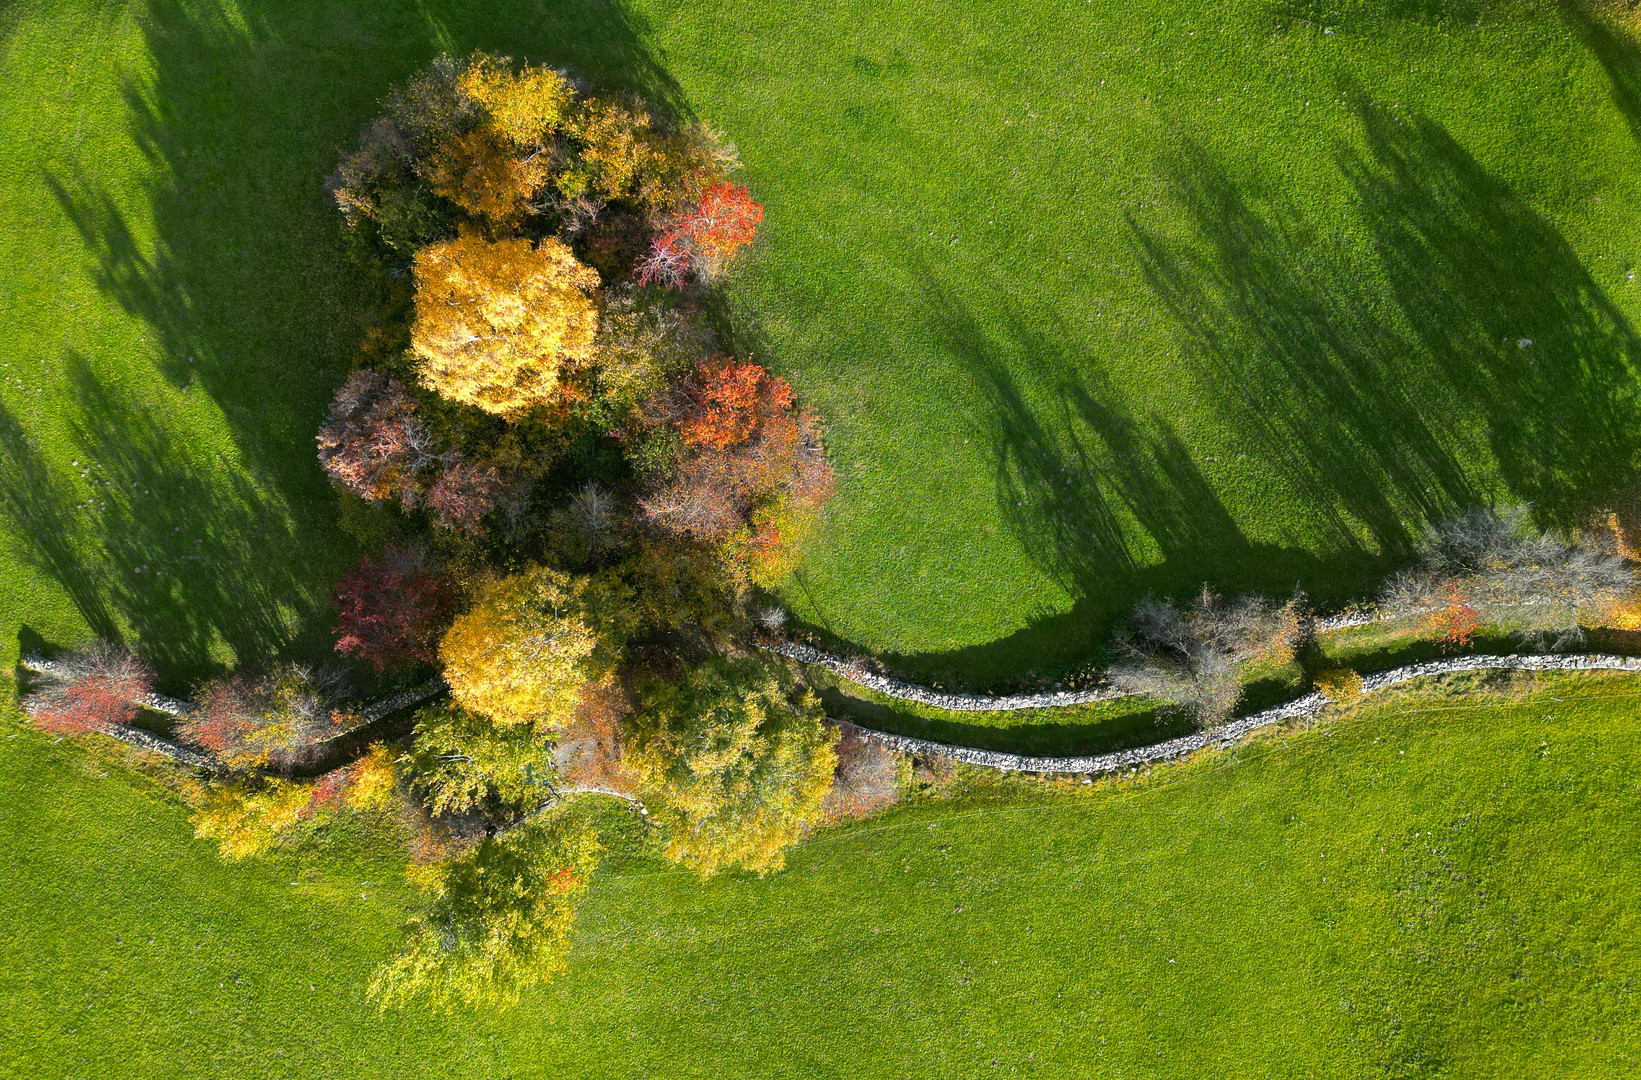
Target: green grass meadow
1441	885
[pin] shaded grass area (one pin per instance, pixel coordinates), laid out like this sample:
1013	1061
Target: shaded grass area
1081	729
1432	884
179	308
1106	300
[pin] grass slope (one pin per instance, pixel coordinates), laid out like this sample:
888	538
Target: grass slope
1436	886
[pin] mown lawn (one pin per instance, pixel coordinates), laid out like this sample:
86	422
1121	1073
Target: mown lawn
1097	297
1442	885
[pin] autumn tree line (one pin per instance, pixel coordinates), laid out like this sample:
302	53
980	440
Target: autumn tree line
573	493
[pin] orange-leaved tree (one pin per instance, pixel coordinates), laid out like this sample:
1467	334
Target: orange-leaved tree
753	476
703	237
497	322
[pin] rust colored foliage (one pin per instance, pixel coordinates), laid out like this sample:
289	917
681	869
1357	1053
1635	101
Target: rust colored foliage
364	784
273	719
99	692
731	401
867	779
753	470
463	494
1456	622
374	445
703	238
392	610
588	750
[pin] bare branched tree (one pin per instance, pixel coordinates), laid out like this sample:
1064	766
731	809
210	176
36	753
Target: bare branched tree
1495	569
1195	657
92	688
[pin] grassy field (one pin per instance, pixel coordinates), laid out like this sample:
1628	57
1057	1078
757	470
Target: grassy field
1103	297
1443	885
1097	298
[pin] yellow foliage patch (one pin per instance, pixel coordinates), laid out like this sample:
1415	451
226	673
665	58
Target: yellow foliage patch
496	322
531	641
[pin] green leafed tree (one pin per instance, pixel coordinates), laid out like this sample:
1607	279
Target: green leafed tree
498	920
462	761
733	767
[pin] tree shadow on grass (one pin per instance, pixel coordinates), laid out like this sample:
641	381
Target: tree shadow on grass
1618	53
1475	360
1505	315
1109	504
1306	366
247	289
158	546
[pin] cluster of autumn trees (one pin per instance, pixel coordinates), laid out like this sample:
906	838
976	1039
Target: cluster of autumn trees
571	490
574	490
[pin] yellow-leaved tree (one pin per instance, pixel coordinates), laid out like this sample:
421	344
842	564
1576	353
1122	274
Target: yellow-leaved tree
532	641
524	107
498	321
731	766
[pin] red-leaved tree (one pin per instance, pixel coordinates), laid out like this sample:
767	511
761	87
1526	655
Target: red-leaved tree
97	689
704	237
392	609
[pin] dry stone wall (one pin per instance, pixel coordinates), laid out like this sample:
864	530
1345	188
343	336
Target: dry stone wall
1309	705
939	699
906	691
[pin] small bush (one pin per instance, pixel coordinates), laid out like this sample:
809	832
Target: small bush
1339	684
366	784
1493	569
498	920
1197	656
98	690
246	818
273	719
869	777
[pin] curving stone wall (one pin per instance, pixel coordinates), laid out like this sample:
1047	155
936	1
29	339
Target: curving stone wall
924	695
177	707
1309	705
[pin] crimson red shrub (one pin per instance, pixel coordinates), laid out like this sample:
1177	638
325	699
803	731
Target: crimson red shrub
463	494
374	444
391	609
98	690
